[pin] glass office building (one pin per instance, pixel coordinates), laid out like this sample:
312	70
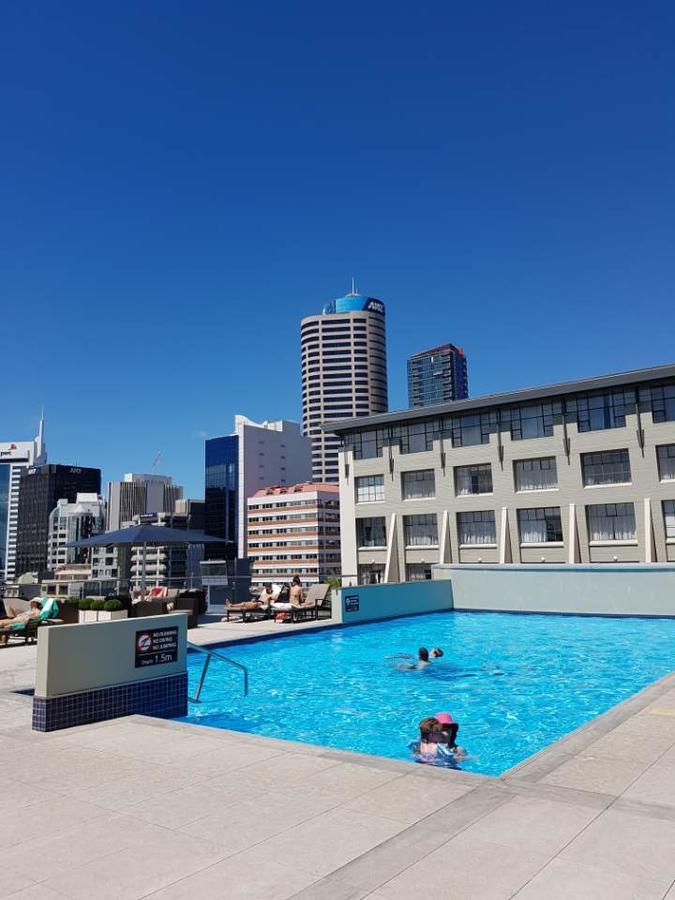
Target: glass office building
221	495
437	376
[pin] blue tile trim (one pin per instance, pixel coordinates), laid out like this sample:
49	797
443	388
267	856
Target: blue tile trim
164	697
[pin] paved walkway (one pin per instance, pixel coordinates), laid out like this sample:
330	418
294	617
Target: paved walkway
141	807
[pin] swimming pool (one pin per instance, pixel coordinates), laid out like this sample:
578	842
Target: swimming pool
515	683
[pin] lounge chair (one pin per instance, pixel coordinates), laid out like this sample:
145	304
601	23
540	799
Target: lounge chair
28	630
314	602
250	609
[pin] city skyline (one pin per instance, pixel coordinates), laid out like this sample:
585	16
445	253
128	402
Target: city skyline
501	177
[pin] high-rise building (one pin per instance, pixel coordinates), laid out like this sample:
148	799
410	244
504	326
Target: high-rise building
344	372
238	465
40	489
294	531
15	456
136	495
139	495
69	522
438	375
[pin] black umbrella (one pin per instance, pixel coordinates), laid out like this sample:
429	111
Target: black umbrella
142	535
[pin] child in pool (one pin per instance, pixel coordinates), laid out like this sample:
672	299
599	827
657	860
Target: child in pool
447	734
431	748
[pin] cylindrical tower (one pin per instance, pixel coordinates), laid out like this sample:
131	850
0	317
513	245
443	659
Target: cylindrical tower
344	372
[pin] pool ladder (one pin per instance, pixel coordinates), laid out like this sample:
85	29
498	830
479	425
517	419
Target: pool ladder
207	662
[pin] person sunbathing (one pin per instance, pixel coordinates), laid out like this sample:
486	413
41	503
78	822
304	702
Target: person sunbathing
22	618
263	601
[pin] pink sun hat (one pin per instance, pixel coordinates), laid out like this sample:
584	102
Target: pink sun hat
444	718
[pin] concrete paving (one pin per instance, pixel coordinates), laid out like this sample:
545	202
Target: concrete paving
140	807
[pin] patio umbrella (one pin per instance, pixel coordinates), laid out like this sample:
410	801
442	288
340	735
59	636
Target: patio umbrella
144	535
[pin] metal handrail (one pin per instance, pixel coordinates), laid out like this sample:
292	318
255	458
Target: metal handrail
209	654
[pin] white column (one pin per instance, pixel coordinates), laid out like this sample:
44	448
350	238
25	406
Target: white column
572	536
392	569
505	555
445	549
649	534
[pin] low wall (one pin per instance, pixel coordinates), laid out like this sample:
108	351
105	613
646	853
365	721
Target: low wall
641	590
101	670
367	603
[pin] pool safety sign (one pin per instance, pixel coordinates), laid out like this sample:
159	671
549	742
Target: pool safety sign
156	646
352	603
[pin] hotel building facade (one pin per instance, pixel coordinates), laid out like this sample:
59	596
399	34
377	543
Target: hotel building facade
344	372
580	472
294	531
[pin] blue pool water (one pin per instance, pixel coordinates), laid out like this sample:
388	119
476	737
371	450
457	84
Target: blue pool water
515	683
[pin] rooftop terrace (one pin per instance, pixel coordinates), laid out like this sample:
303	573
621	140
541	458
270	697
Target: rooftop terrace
141	807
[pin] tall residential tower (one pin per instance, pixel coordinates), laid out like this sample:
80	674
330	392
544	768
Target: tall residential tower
438	375
344	372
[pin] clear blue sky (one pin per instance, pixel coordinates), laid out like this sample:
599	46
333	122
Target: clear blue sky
182	182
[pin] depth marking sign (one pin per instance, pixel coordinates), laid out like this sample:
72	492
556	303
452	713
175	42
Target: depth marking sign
156	646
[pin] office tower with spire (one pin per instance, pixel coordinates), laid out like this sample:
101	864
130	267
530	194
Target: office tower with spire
344	372
15	456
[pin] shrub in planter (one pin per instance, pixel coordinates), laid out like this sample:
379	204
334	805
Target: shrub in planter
112	609
87	611
98	604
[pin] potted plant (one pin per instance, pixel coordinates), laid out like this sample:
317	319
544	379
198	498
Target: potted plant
86	612
112	609
335	583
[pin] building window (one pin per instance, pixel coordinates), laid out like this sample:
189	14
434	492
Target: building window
606	467
666	458
417	437
532	421
472	429
418	485
477	528
600	411
371	532
418	572
420	531
660	401
669	519
611	522
473	479
536	474
540	526
371	573
370	489
365	444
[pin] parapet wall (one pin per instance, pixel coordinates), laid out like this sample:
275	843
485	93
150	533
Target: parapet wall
641	590
88	673
368	603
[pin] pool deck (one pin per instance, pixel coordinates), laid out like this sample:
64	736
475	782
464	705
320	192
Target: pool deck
141	807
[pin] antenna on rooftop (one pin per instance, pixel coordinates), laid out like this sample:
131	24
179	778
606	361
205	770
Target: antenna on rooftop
353	286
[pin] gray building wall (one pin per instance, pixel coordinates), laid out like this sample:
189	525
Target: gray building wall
640	436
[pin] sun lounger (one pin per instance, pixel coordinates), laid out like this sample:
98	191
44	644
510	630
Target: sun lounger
314	602
27	631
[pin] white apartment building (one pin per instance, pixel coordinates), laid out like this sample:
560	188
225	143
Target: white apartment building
294	531
344	372
15	456
70	522
580	472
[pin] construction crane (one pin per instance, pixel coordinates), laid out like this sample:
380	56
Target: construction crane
156	460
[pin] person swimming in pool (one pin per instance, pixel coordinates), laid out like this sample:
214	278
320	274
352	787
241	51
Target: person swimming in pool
431	748
423	658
